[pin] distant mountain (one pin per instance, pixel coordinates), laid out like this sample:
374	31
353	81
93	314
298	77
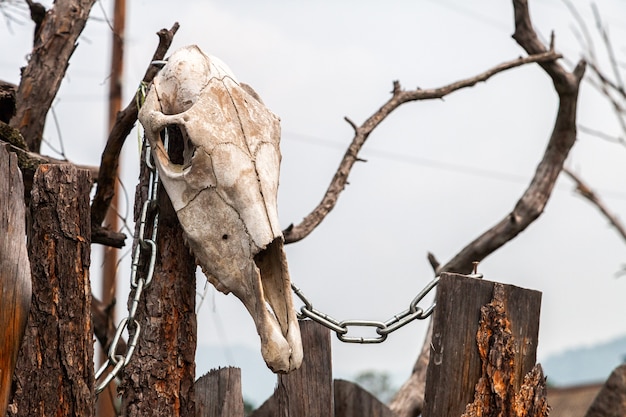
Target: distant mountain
585	364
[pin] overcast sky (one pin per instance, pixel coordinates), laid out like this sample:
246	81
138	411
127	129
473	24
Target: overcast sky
437	175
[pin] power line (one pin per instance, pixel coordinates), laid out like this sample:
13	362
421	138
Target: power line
440	165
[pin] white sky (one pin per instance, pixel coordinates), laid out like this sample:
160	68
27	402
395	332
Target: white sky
314	63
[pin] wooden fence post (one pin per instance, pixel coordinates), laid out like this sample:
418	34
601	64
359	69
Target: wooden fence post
307	391
484	345
353	401
218	393
15	281
55	370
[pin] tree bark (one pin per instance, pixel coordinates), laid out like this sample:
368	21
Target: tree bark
15	280
55	371
159	379
49	59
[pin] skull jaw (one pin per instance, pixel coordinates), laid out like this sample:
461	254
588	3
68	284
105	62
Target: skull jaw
268	300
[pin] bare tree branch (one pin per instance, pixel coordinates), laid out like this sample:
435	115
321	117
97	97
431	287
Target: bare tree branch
609	46
110	156
49	59
294	233
37	14
408	401
586	192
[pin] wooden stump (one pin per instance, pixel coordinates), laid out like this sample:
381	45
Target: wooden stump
55	371
483	347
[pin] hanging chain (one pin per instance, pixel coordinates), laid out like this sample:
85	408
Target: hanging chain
144	258
383	328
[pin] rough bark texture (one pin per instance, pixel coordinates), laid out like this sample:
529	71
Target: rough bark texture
307	391
353	401
507	343
499	391
15	280
218	394
159	379
49	59
611	400
55	372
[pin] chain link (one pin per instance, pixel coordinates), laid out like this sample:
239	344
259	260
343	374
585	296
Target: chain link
383	328
144	259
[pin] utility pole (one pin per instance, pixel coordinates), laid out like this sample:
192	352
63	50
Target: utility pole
105	404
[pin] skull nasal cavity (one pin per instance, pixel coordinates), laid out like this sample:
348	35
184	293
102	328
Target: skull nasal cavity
176	144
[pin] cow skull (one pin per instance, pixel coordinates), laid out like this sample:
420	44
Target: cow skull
225	191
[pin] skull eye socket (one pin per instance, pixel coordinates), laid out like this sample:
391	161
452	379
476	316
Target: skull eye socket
180	147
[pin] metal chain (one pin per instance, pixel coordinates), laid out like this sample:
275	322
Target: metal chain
383	328
144	256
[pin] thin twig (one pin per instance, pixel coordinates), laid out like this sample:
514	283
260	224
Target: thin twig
602	135
604	32
586	192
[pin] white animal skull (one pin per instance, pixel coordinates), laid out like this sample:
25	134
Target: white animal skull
225	191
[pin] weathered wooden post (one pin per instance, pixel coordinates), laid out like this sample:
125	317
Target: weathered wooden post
353	401
218	393
307	391
484	350
55	375
15	281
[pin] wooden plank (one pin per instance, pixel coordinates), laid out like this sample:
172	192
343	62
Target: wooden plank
353	401
455	365
15	281
55	370
218	393
307	391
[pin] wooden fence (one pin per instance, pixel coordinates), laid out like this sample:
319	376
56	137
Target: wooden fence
484	346
482	352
